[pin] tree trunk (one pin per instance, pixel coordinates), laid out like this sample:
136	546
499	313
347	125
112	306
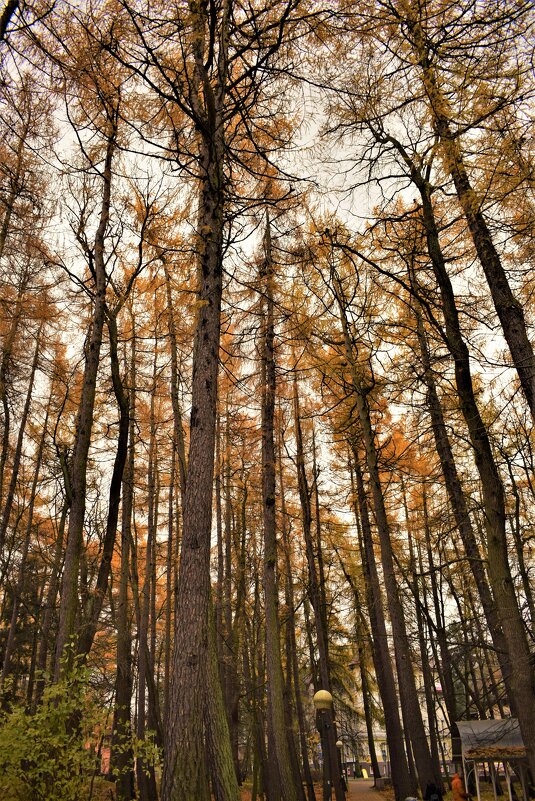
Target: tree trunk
145	775
403	785
292	660
508	308
10	644
326	723
447	461
8	505
522	679
409	696
96	600
221	759
84	424
275	683
184	767
122	757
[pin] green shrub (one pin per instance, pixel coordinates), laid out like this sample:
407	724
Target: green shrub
51	755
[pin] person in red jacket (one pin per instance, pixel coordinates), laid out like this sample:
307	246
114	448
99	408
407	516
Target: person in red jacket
458	789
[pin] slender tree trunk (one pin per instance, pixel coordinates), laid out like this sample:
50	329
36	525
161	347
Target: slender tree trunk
517	530
409	696
17	179
441	634
328	728
84	424
508	308
364	685
7	356
292	660
424	655
10	644
122	757
145	776
451	479
289	782
8	504
50	599
169	585
403	784
521	677
96	599
178	426
362	636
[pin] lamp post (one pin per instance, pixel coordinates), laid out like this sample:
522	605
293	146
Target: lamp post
343	776
323	702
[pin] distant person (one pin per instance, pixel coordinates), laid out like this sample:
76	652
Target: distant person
458	789
432	793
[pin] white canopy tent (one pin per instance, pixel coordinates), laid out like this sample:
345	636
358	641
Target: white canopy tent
493	742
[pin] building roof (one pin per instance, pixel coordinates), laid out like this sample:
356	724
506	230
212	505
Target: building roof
488	740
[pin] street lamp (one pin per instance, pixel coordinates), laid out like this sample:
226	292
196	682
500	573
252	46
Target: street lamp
339	746
323	702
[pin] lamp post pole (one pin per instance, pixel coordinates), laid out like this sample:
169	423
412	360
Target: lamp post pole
323	701
339	746
332	769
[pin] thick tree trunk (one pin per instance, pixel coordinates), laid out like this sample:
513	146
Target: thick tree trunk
184	768
9	10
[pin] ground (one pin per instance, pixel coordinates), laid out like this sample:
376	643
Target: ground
359	790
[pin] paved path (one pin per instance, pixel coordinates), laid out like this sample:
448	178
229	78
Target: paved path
362	790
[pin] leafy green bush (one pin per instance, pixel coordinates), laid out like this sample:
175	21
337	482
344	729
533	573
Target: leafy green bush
51	755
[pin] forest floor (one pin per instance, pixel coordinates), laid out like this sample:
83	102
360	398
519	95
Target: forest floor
359	790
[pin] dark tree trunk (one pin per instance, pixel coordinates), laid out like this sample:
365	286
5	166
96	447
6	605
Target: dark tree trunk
8	504
184	771
96	599
409	696
508	308
451	479
9	10
84	425
292	660
326	718
521	682
122	757
18	589
289	782
403	784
